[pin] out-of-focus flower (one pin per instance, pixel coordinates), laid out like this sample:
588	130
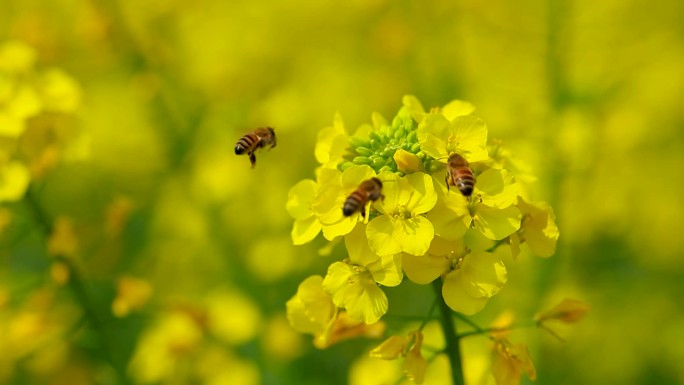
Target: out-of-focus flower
222	305
568	311
162	347
279	340
511	362
219	366
63	241
131	294
414	364
311	310
345	328
14	180
353	284
402	227
117	215
538	229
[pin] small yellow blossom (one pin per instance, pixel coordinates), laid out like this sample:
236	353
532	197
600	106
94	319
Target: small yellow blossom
538	229
353	284
490	210
414	364
402	227
511	362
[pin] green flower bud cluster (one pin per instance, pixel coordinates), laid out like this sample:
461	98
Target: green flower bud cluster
376	145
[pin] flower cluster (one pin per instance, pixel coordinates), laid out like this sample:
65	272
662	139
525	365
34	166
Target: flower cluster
423	226
36	109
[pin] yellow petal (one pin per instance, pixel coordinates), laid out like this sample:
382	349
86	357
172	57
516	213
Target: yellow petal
407	162
468	136
300	198
415	107
483	274
365	301
497	223
457	108
380	233
391	348
414	366
422	196
432	134
414	234
311	310
424	269
497	188
357	247
305	230
337	280
567	311
387	270
456	296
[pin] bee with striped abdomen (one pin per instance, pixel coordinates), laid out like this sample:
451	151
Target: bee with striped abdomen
259	138
368	191
460	175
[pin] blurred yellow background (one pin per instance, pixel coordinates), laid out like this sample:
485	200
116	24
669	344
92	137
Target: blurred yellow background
183	252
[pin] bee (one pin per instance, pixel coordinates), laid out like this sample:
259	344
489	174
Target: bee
368	190
259	138
460	175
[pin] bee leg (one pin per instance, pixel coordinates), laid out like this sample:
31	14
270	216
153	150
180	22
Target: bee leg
446	180
382	197
252	159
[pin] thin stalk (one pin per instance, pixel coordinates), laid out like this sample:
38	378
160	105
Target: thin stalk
453	349
78	287
495	329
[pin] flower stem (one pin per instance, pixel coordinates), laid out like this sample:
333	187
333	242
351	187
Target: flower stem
452	350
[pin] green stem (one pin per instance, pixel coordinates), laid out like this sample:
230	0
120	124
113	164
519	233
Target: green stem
495	329
79	288
469	322
452	350
429	315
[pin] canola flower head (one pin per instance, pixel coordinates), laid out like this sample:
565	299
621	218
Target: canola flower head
418	226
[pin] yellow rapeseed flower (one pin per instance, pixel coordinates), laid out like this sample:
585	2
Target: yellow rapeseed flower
353	284
402	226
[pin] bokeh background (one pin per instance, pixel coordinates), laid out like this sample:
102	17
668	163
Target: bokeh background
175	260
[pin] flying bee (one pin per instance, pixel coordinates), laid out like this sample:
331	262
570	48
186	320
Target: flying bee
368	190
259	138
460	175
